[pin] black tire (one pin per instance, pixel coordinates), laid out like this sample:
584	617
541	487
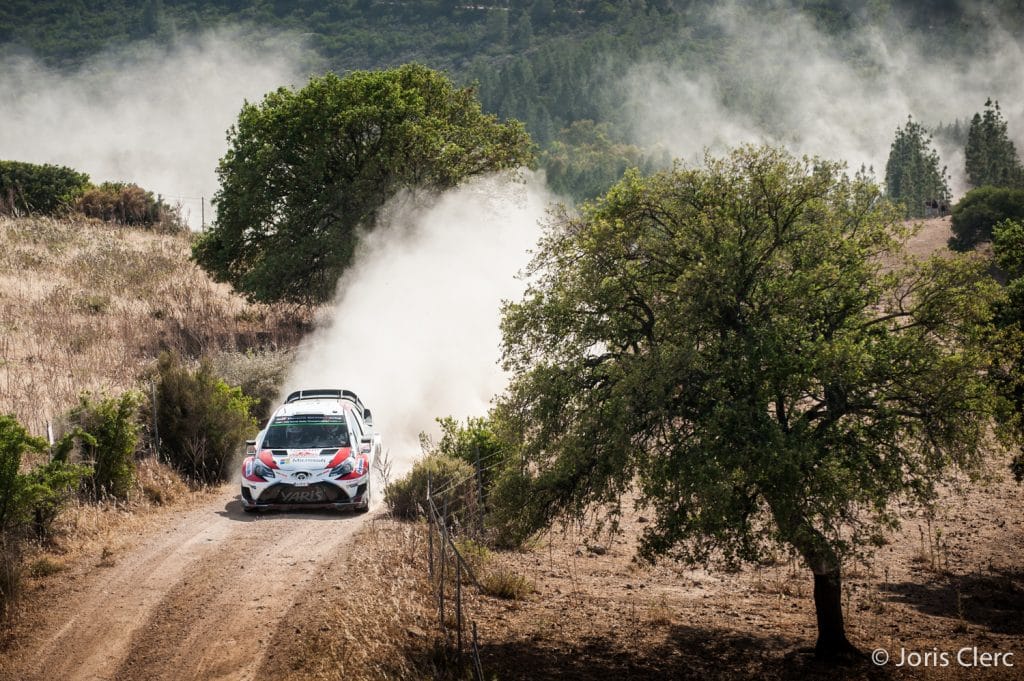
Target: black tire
247	509
366	496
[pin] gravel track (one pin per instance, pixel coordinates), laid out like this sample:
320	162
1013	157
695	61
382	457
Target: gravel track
197	596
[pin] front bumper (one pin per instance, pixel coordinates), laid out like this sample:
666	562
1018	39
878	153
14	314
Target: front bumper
318	495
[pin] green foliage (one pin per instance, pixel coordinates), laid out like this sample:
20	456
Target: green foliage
41	189
509	526
584	162
991	158
128	204
476	440
112	427
203	422
14	442
452	482
48	488
1008	337
979	210
1008	246
260	375
27	500
728	339
912	173
308	169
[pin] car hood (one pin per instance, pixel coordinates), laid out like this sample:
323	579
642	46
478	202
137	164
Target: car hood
304	459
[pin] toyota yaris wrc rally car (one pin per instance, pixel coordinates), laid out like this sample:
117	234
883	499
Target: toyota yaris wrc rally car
315	452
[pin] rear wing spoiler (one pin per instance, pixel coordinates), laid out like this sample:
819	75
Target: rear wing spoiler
331	393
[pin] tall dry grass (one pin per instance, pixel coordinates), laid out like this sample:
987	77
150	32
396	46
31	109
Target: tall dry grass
374	619
87	306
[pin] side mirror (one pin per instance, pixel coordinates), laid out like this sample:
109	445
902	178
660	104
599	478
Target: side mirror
365	444
368	417
250	447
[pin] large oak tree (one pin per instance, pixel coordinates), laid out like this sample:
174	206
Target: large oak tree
748	345
308	169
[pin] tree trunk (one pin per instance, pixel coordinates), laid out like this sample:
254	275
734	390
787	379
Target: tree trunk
828	606
821	558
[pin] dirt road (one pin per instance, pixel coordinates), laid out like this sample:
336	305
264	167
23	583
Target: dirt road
197	596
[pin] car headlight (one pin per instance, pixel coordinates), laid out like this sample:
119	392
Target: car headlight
342	469
263	470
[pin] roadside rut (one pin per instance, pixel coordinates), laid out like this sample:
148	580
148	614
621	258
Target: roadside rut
198	597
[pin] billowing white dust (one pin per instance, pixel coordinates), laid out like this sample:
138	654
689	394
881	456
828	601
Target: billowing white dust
414	330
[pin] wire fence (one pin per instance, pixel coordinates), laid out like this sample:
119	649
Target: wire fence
448	570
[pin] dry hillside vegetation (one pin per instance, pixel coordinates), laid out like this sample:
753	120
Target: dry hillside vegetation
87	306
583	608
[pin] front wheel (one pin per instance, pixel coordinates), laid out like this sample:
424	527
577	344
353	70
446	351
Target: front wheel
247	509
366	499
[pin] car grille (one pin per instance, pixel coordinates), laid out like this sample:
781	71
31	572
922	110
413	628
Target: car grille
318	493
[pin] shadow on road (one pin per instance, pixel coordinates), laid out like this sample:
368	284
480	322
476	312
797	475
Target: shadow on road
233	511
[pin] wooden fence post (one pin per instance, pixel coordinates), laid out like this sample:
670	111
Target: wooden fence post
458	603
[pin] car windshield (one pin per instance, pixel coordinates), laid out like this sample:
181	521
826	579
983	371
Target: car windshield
306	433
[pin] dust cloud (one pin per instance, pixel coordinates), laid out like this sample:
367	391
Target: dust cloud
784	82
149	114
414	330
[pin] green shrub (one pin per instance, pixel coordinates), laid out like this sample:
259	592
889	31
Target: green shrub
128	204
977	213
470	441
259	374
14	441
508	521
475	554
203	422
48	488
111	432
452	481
15	505
42	189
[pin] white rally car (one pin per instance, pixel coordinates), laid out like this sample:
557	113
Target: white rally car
315	452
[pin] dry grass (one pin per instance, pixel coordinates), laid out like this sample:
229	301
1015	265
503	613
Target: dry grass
45	566
377	607
84	527
501	582
87	306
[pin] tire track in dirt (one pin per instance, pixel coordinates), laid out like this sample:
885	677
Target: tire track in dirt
197	597
217	622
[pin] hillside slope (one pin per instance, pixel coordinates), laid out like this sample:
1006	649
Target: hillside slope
88	306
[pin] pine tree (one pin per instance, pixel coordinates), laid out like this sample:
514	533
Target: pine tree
991	158
912	174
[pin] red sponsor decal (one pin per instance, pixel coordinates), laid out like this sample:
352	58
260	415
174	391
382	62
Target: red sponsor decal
340	457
